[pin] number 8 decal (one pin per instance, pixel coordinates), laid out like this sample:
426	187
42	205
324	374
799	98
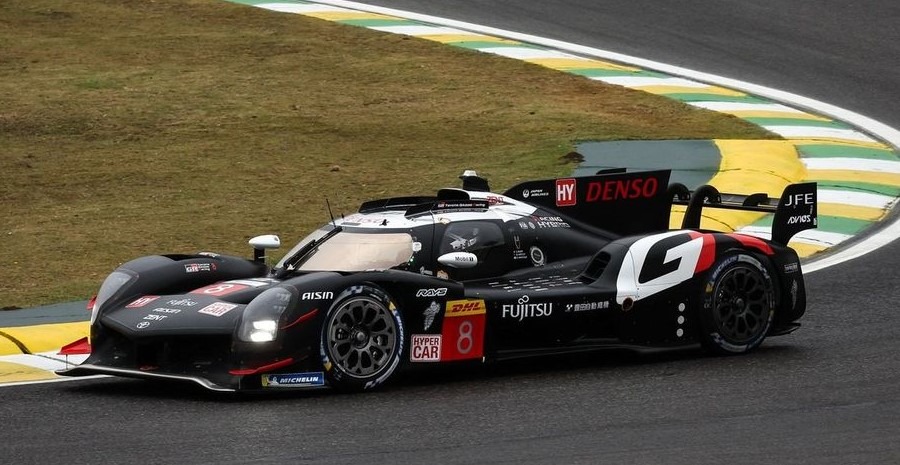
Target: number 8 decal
465	336
463	330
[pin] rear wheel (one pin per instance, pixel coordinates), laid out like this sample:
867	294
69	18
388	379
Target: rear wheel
738	305
362	339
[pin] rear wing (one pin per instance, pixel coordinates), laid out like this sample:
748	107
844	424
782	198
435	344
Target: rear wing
795	211
641	202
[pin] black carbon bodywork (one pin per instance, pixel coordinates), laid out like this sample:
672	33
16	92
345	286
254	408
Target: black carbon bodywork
549	279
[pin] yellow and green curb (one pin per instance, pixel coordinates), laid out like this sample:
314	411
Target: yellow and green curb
29	353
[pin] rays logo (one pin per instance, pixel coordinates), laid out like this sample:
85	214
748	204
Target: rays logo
437	292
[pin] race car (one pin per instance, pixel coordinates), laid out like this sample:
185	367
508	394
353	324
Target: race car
550	266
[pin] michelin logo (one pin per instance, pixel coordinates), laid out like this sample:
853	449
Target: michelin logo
294	380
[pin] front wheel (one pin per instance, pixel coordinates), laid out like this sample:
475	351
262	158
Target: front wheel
362	339
738	305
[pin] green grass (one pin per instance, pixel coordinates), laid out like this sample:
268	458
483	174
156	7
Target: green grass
134	127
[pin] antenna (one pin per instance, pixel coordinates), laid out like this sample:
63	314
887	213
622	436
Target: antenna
331	215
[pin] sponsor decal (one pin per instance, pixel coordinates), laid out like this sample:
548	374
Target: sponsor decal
791	267
460	206
619	189
550	222
153	317
170	311
317	295
518	253
462	332
462	244
357	219
425	348
140	302
199	267
142	325
457	308
182	303
221	289
526	193
565	192
537	256
217	309
430	313
799	219
587	306
800	199
209	254
495	200
436	292
523	309
311	379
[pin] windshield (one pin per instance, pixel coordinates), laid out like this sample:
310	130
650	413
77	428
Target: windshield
355	251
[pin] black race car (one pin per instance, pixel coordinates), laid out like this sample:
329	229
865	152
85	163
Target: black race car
548	267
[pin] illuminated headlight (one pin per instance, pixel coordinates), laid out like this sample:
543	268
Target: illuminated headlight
264	331
259	322
113	284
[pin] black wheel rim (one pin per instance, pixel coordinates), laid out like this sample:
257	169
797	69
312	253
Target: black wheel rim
741	306
361	337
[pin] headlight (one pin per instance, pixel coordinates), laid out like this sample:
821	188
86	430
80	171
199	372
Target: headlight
264	330
113	284
259	322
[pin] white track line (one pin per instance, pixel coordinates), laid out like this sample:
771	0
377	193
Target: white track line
743	106
421	30
300	8
853	197
855	164
646	81
813	132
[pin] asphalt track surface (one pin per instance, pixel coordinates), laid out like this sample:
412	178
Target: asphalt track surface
827	394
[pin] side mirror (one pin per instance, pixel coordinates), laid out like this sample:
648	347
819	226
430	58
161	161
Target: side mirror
261	243
458	260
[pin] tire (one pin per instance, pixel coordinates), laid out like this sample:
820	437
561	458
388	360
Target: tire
738	305
362	339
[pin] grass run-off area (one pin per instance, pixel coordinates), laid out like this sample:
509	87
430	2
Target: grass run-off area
136	127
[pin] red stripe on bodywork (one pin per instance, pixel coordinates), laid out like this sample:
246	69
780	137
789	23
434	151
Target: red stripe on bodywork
262	369
302	318
707	252
753	242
